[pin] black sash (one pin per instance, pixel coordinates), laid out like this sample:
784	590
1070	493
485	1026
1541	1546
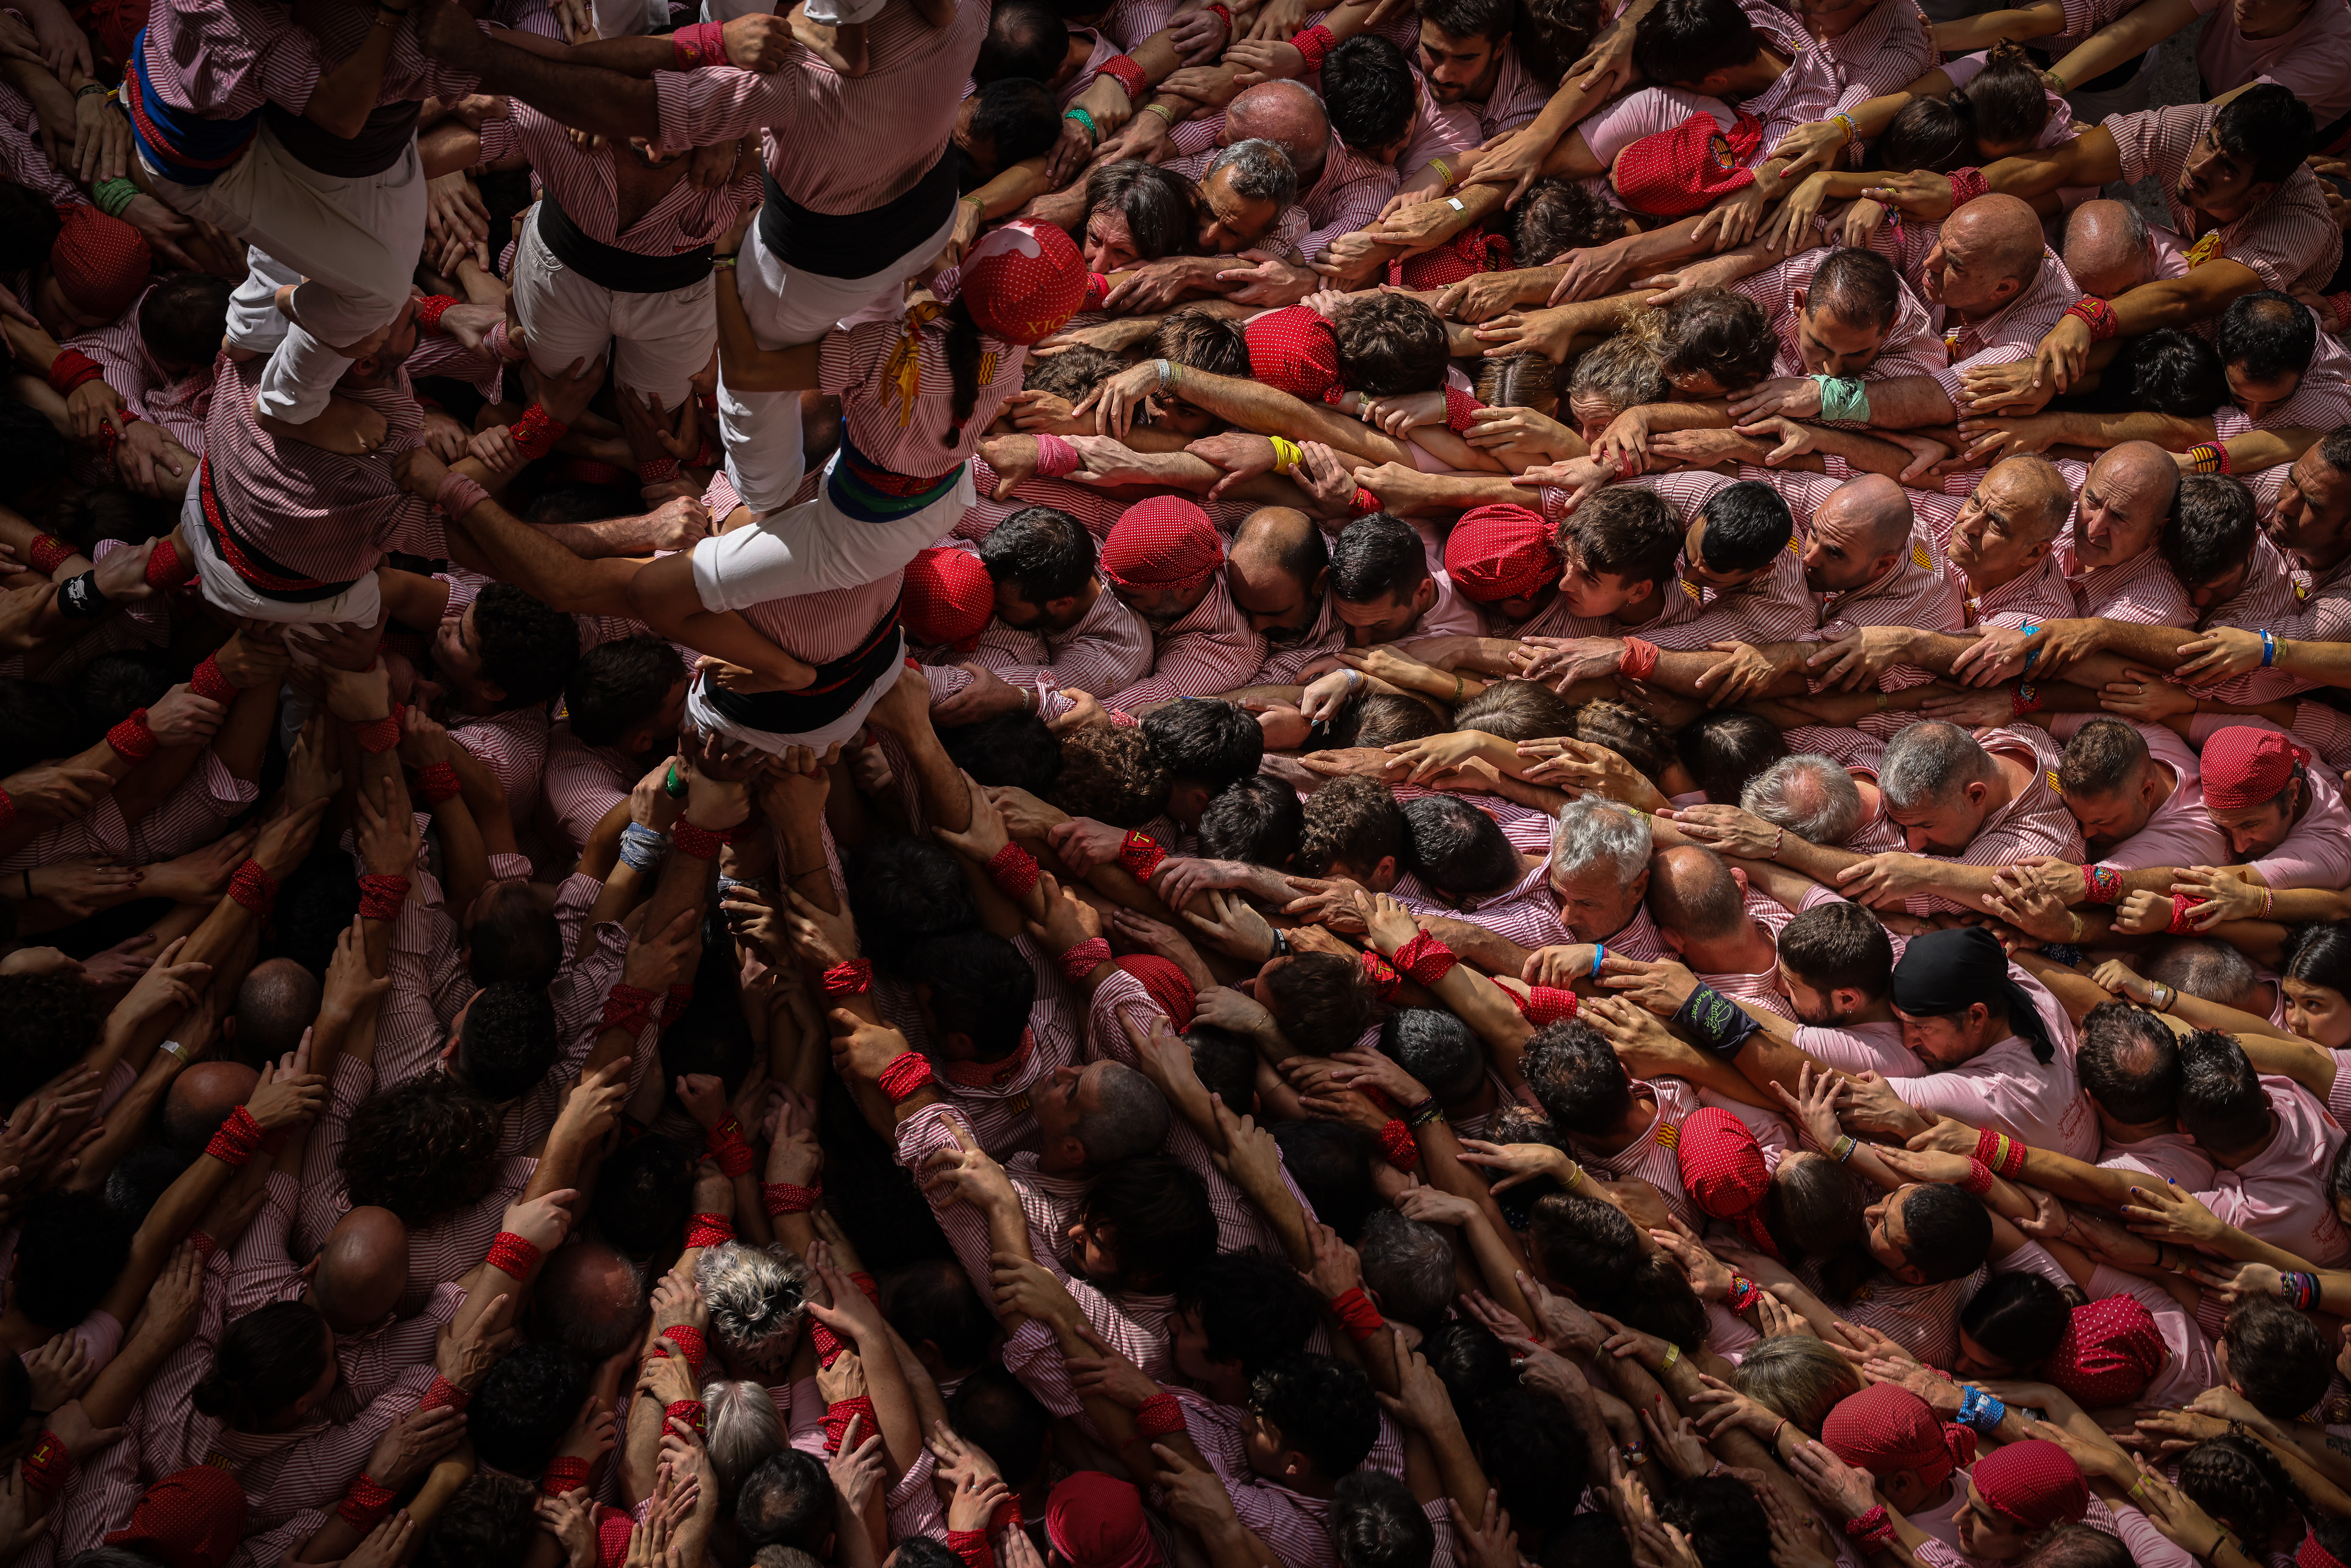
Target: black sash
856	244
837	688
389	130
609	267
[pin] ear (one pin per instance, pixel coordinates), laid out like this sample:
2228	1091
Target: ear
449	1052
958	1047
1384	875
1799	295
1640	888
1739	877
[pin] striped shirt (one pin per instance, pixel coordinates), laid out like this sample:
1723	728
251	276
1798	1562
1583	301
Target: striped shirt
20	152
189	818
1911	347
1203	653
1517	97
580	783
2291	241
587	186
1526	912
1107	650
2268	601
1098	510
2140	590
224	58
2009	334
1912	594
1294	1526
1284	661
1887	50
1812	89
179	404
897	392
1651	1155
2037	594
321	513
2031	821
1120	1000
825	142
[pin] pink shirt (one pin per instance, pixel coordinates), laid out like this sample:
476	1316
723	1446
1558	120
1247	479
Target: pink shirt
2167	1157
2179	833
2007	1090
2313	56
2317	850
2281	1195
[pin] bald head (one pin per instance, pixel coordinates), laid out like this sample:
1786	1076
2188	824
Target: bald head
2106	247
200	1100
1694	895
1987	254
2126	501
277	1001
2143	467
2037	496
1288	114
1860	533
589	1299
1276	571
362	1269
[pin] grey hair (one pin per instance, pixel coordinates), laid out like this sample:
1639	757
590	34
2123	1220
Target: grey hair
742	1428
1592	828
1408	1265
1926	762
1261	171
1810	795
1130	1117
756	1296
2214	971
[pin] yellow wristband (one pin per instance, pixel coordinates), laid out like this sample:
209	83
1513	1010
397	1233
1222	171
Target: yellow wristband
1443	168
1673	1354
1285	454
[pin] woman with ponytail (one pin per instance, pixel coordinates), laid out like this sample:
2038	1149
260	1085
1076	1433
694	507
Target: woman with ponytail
820	577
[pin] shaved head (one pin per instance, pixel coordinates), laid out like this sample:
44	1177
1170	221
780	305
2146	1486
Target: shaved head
1278	572
2106	249
1694	895
587	1299
2006	227
1862	523
200	1100
2126	501
277	1001
362	1269
1288	114
1985	254
2051	494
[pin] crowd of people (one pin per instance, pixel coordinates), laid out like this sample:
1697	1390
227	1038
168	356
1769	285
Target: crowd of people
874	787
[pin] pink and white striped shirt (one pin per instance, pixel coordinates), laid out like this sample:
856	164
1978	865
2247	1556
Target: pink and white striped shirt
1206	652
1107	650
2140	590
177	402
584	183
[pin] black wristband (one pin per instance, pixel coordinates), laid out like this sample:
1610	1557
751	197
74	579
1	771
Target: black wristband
1717	1025
79	598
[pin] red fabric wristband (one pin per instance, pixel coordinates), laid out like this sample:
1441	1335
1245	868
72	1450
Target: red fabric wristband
1426	958
133	740
167	568
1639	658
972	1546
431	308
513	1255
564	1473
628	1006
691	1342
1966	185
71	369
1356	1314
689	1411
849	978
701	844
1397	1142
536	431
444	1395
1386	981
1013	870
1546	1004
1316	44
1140	853
840	1413
49	1466
48	552
782	1197
254	888
381	895
727	1148
905	1076
1123	70
709	1231
1979	1179
438	782
702	43
378	736
364	1503
238	1139
209	682
1084	959
1161	1415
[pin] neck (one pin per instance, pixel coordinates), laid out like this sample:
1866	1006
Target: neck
2009	776
1878	1011
2117	1131
1746	951
1757	74
1632	1126
2238	1159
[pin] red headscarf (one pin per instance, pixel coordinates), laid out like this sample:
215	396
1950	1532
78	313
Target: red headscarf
2111	1351
100	263
1500	553
2033	1485
1722	1170
1675	173
195	1518
2246	767
1885	1427
1164	542
1296	352
1166	984
1096	1522
1465	255
1022	281
2311	1554
950	598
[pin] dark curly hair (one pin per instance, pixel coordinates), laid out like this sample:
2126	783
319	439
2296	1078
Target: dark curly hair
528	648
266	1361
524	1407
487	1519
46	1022
1111	775
423	1149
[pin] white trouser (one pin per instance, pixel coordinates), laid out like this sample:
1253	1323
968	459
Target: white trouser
728	10
354	243
664	340
787	306
360	604
625	18
816	546
699	711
